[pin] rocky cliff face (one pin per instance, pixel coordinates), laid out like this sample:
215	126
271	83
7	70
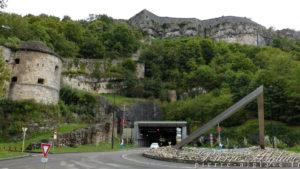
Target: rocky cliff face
229	28
94	134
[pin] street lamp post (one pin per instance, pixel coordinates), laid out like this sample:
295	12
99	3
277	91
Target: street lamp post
24	133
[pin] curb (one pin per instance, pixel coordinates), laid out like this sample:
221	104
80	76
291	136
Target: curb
13	158
233	164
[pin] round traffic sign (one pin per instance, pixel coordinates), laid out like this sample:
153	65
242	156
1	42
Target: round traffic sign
219	129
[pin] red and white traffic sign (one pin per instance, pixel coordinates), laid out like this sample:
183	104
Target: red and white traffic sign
55	135
123	121
46	148
219	129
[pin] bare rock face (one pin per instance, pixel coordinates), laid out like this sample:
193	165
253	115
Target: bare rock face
89	135
226	28
288	33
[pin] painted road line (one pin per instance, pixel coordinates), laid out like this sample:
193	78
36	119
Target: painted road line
125	156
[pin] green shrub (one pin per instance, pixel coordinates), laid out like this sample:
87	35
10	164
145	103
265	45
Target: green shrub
129	64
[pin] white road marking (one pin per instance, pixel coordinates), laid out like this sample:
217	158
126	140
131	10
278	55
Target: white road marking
63	163
125	156
82	164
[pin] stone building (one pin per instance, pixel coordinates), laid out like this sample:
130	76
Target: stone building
36	73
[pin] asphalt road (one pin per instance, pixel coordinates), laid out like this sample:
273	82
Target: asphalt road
127	159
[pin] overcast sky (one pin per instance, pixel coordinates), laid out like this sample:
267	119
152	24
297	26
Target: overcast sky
277	13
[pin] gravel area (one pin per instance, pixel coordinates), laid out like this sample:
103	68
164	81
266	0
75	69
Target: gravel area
252	154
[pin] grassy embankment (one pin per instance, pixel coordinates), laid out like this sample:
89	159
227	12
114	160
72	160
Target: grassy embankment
37	137
9	154
103	146
66	128
121	100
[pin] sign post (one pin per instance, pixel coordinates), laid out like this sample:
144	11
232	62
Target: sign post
24	134
45	148
54	138
122	145
55	135
219	131
211	138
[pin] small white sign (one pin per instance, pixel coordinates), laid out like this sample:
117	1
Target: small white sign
44	160
24	129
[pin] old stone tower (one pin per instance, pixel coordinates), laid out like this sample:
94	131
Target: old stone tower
36	73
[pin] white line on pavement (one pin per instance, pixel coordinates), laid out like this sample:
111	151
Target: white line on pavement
125	156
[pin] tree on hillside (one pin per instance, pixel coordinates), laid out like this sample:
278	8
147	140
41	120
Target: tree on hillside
4	76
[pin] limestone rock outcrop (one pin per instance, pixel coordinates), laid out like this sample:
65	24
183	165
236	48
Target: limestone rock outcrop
226	28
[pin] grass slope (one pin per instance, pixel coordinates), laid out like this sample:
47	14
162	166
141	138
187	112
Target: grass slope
9	154
38	136
121	100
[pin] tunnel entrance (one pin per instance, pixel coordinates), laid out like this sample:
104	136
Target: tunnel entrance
161	132
161	135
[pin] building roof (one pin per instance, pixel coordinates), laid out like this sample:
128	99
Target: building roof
36	46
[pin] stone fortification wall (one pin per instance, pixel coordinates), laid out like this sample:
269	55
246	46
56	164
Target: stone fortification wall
34	65
89	83
86	83
39	93
90	65
36	73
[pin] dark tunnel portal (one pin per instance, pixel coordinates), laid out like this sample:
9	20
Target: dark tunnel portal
160	135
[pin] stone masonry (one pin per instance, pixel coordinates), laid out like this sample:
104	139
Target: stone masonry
36	73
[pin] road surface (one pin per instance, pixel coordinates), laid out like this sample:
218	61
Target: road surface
127	159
